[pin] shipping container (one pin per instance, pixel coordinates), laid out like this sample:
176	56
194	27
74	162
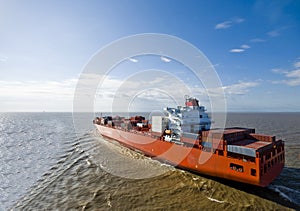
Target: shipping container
159	124
241	150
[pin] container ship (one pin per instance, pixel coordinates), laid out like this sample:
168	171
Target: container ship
183	137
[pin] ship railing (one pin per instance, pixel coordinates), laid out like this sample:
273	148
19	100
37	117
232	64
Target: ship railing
272	158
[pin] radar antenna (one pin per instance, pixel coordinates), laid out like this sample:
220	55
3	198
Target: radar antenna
186	97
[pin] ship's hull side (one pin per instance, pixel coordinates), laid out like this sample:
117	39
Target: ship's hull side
192	158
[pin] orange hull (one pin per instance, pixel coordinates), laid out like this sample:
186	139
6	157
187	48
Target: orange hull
210	163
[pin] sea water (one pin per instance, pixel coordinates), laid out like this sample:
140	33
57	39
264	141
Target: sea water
44	164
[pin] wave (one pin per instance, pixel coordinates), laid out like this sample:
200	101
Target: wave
287	193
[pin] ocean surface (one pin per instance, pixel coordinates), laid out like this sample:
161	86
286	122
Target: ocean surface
45	165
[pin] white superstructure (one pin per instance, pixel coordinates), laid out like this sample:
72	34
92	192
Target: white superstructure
191	118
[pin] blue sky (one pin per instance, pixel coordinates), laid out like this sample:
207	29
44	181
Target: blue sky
253	45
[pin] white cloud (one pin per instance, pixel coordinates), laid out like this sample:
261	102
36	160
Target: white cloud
37	88
165	59
157	91
293	74
297	64
241	49
214	65
223	25
146	91
290	82
238	20
237	50
292	78
37	95
59	95
229	23
276	32
3	58
133	60
278	70
273	33
240	88
245	46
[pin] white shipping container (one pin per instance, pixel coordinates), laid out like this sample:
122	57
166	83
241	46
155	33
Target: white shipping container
139	124
159	123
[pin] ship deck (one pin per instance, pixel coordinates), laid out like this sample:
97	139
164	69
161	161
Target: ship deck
253	144
242	140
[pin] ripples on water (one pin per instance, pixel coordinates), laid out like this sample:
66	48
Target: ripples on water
29	144
43	165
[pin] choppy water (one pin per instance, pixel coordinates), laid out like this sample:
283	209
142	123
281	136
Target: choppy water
44	165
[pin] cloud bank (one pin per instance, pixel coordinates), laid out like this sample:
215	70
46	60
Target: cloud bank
37	95
146	92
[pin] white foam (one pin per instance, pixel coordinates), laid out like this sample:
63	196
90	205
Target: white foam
215	200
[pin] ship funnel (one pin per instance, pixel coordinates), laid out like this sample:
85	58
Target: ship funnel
191	102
